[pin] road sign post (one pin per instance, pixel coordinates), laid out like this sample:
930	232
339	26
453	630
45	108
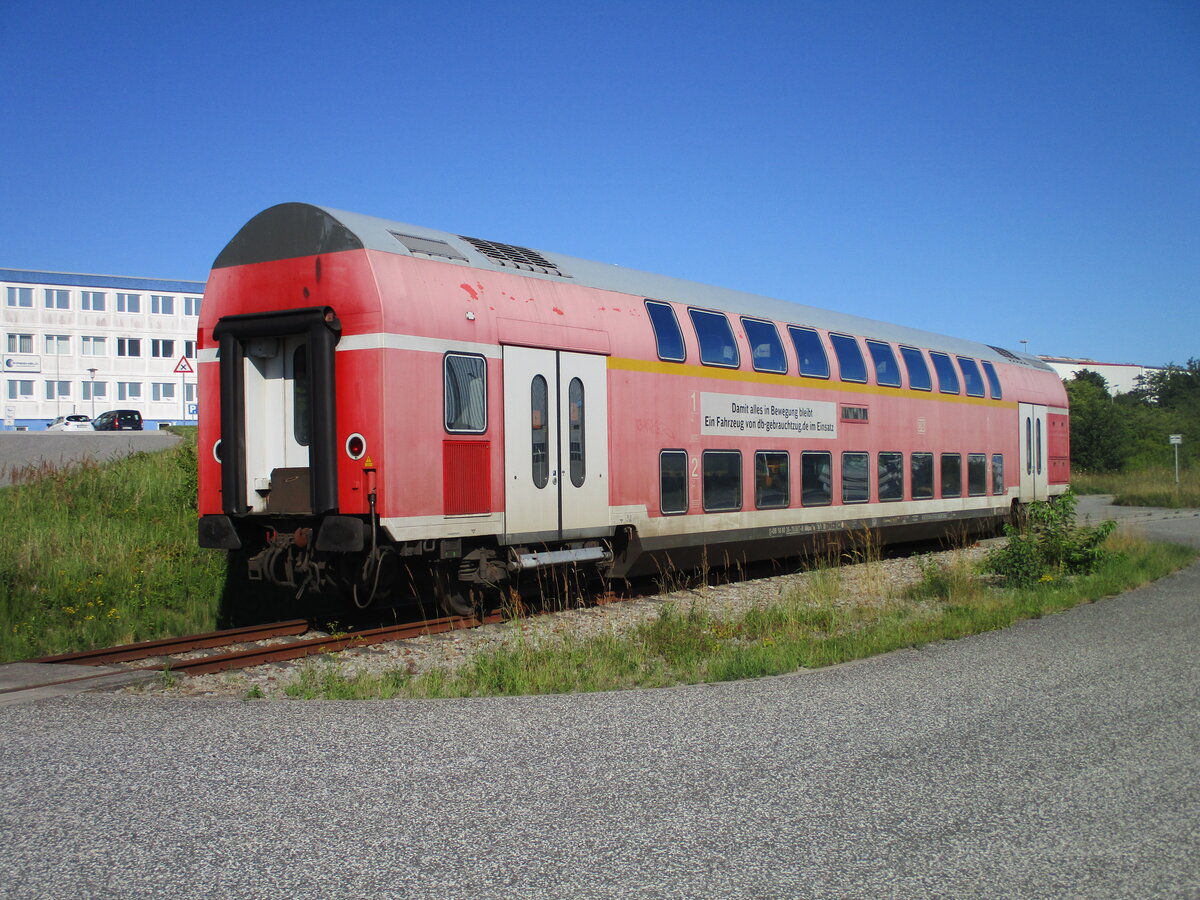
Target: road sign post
183	368
1176	440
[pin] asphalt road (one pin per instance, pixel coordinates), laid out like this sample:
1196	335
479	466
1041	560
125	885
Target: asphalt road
1058	758
19	449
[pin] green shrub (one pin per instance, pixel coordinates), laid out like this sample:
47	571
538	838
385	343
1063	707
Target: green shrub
1047	542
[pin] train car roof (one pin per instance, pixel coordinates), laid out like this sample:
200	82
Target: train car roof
299	229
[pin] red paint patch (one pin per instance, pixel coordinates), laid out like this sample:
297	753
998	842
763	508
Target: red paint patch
470	290
559	311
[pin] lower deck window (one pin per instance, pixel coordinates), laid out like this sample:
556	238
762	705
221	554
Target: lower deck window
722	476
672	482
891	476
977	474
771	480
998	473
856	480
816	479
465	393
922	476
951	475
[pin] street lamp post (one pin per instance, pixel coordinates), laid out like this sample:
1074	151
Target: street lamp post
93	392
1024	346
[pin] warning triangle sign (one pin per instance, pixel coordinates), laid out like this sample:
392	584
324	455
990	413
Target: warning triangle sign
183	367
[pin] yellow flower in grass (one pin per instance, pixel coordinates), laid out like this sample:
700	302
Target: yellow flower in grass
1046	578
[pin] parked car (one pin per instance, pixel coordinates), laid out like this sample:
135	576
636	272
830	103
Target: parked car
71	423
118	420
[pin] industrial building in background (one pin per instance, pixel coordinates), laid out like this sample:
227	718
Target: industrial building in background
85	344
1121	377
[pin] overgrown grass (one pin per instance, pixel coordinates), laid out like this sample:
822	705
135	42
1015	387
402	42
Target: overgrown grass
1144	487
95	555
805	629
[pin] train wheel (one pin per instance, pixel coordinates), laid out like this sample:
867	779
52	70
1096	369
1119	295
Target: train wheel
453	595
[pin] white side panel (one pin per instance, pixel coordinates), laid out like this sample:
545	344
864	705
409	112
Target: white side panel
583	440
1035	475
530	442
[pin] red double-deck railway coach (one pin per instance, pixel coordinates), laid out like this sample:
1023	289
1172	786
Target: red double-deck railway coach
386	407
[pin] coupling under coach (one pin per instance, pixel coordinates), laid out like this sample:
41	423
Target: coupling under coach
387	409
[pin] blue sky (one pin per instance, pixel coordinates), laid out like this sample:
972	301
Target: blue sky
1001	172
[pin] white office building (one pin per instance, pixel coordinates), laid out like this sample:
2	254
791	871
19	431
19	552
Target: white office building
1121	377
90	343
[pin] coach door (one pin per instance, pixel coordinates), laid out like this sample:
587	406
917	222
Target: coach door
555	444
1035	481
277	458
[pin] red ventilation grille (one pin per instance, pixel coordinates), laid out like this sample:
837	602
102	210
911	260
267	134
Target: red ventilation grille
466	477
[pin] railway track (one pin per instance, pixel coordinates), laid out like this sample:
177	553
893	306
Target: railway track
289	640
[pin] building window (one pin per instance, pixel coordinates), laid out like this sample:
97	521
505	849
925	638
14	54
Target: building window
922	476
164	390
92	300
129	303
766	352
772	483
191	306
667	336
951	475
129	390
810	352
92	345
58	344
56	299
816	478
856	477
20	343
94	390
891	476
129	346
850	359
58	390
722	480
189	349
189	391
672	482
465	393
162	305
20	389
20	297
162	349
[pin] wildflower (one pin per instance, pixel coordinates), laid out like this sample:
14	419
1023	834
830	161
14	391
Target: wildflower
1046	578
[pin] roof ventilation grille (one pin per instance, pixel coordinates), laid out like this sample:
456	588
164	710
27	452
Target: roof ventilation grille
515	257
1007	354
428	246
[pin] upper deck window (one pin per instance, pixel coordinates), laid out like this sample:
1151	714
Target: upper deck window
717	347
810	352
886	371
918	372
851	366
766	352
993	380
666	331
947	377
971	376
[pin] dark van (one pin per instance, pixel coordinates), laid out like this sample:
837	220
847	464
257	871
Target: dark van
118	420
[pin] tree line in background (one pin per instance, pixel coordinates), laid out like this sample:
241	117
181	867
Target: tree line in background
1123	432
